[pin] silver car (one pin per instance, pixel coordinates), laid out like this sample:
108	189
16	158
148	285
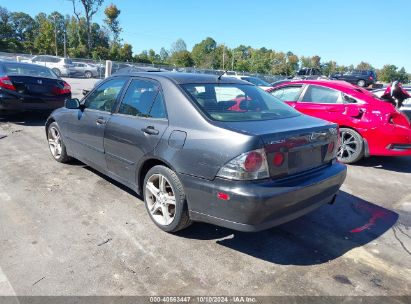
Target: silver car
84	69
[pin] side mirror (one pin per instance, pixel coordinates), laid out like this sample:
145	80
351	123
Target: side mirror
73	103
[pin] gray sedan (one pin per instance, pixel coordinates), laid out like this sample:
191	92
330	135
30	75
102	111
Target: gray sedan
87	70
201	148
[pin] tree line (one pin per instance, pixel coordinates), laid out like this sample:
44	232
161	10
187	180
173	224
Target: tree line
78	36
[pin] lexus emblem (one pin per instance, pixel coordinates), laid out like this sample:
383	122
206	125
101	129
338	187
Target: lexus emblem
39	81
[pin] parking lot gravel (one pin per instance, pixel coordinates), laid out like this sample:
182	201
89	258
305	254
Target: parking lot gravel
68	230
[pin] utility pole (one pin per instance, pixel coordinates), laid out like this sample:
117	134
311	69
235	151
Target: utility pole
55	33
232	61
223	55
65	44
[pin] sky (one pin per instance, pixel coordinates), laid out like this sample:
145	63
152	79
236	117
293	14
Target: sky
347	31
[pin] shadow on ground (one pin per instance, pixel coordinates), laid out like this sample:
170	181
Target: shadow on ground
391	163
25	118
315	238
318	237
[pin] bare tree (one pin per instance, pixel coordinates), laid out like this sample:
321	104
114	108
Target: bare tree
90	7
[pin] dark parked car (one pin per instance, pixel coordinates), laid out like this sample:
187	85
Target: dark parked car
309	73
362	78
25	86
174	138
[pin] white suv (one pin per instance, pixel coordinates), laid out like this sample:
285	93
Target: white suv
59	65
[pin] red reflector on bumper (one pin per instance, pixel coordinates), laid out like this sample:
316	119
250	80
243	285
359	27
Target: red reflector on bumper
223	196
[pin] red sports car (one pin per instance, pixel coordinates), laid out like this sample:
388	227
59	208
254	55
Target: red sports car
368	125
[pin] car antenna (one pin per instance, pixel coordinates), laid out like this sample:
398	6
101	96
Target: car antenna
225	72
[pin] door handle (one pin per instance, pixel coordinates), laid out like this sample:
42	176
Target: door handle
101	121
150	130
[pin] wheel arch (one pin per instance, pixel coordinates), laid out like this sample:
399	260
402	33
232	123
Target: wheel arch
145	166
366	150
49	121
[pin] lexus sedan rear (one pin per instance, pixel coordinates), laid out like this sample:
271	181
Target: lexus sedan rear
177	140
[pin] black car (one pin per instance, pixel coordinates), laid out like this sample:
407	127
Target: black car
197	152
25	86
362	78
308	74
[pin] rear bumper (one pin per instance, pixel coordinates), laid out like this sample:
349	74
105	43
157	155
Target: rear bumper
12	103
260	205
391	140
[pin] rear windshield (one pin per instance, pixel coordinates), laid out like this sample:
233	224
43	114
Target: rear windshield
11	68
237	102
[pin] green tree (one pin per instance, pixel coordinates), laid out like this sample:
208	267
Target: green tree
315	62
329	68
182	58
164	56
112	13
24	30
44	41
292	63
364	66
388	73
90	7
178	46
126	52
203	53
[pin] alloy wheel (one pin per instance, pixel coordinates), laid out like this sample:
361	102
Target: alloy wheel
54	139
161	201
349	146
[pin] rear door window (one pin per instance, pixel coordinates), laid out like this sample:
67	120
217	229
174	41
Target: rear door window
143	98
317	94
288	93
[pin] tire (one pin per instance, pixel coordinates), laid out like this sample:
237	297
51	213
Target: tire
56	71
88	74
56	144
361	83
351	148
164	194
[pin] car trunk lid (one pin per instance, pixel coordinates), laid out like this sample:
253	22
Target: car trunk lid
293	145
39	86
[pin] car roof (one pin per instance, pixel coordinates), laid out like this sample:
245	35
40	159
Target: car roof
22	63
336	84
182	78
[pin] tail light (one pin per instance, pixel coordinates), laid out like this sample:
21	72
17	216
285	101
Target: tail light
248	166
65	90
6	83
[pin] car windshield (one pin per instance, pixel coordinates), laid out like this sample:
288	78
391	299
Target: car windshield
256	81
11	68
237	102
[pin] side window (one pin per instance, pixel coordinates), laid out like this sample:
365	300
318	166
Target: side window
287	93
158	109
139	98
104	97
321	95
